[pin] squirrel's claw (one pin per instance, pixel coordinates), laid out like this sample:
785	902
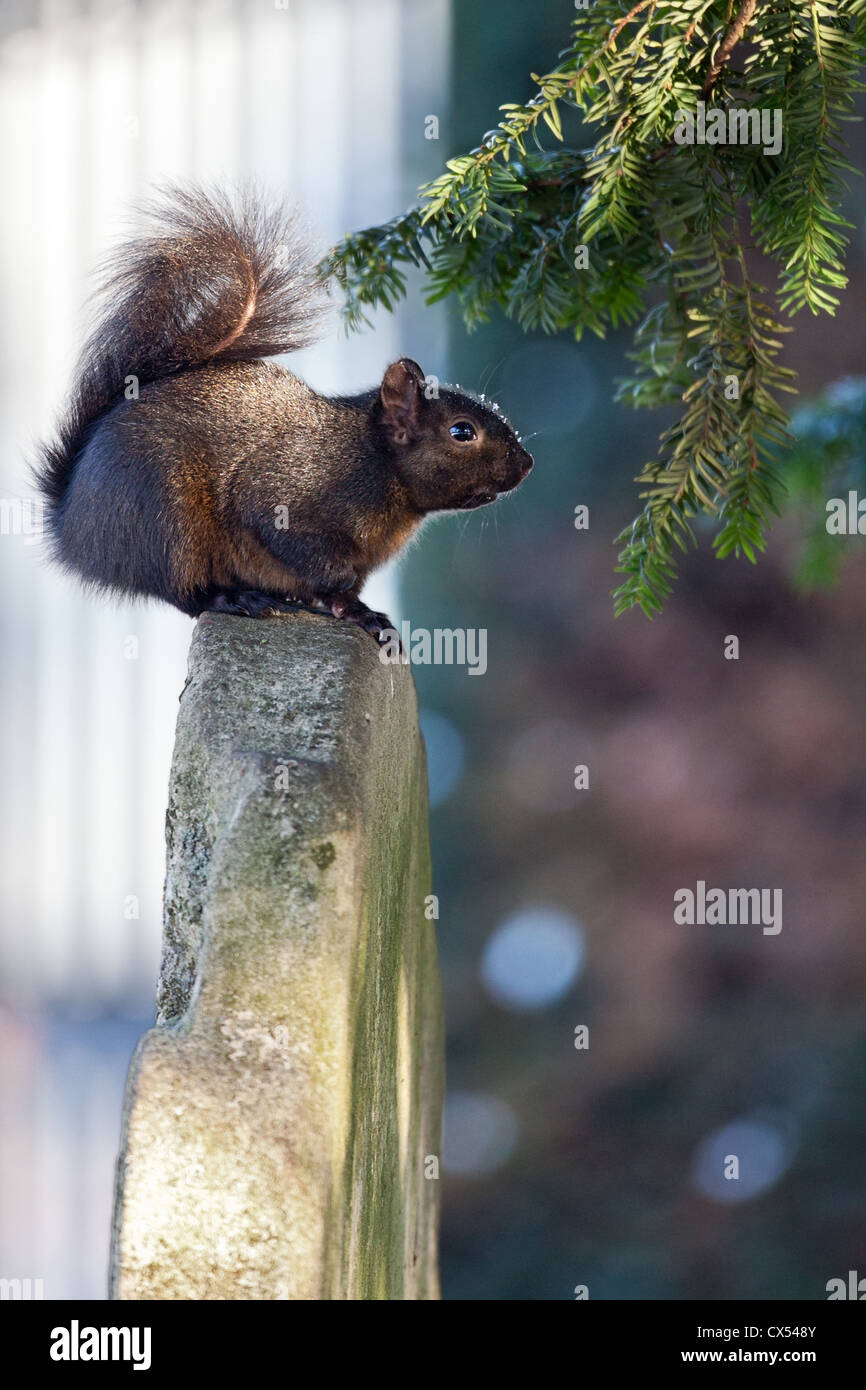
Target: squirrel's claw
352	610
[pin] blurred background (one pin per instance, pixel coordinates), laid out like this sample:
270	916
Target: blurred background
565	1164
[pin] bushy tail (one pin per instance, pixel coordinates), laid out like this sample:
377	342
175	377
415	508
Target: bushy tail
215	277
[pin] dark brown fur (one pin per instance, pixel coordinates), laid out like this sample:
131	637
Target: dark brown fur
218	480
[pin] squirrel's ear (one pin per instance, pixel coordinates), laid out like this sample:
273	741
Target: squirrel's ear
400	392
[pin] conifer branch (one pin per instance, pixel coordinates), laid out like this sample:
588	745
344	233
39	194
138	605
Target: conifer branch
665	239
728	44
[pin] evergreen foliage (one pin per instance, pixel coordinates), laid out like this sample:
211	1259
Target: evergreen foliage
666	227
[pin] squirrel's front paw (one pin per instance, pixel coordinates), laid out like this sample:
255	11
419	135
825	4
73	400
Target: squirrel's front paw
352	610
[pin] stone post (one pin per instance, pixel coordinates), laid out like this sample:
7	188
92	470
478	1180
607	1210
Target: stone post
281	1132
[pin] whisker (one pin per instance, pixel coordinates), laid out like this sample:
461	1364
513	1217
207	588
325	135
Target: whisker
488	375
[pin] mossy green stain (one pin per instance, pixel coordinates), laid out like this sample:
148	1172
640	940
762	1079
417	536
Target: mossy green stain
324	855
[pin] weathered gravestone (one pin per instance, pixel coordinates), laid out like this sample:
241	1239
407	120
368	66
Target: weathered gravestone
281	1131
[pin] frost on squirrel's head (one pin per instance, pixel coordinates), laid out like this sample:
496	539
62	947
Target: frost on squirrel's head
455	450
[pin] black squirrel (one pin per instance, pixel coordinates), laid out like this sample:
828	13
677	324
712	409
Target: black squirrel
188	469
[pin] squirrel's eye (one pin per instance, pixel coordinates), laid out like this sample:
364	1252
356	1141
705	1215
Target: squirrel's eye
463	431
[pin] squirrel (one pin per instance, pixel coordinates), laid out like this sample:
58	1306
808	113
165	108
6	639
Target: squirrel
186	468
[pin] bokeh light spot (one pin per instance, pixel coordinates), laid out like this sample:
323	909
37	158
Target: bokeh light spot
763	1150
533	958
480	1133
444	745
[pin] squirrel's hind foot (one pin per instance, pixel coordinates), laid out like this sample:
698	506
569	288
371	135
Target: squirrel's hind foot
248	603
255	603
